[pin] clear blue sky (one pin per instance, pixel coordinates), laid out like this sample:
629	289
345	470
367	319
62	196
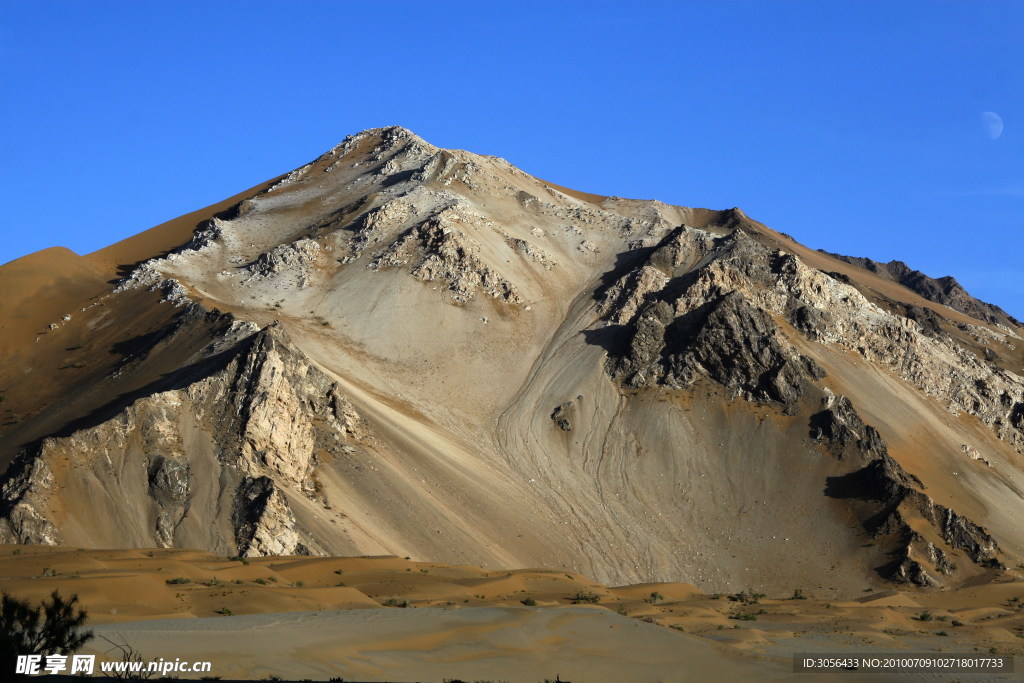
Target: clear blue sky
855	127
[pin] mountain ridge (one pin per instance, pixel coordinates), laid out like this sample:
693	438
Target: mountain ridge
527	378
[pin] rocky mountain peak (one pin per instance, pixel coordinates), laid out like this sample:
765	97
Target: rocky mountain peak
402	349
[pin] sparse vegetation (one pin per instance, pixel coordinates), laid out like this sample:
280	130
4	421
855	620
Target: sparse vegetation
529	602
395	602
131	656
925	616
747	597
178	580
654	598
223	611
585	597
798	594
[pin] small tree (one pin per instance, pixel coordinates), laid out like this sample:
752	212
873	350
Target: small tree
54	626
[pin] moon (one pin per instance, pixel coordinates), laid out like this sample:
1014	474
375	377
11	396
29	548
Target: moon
993	124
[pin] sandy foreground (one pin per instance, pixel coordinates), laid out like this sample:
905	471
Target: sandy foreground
392	619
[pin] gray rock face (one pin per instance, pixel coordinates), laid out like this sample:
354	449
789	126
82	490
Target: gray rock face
295	260
264	524
169	486
944	290
728	340
23	518
253	419
891	494
439	250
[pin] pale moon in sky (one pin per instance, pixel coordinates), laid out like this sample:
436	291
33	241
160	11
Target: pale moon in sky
993	124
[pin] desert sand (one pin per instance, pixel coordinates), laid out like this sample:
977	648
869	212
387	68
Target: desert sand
392	619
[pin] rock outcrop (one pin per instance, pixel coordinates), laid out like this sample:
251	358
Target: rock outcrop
893	497
260	408
944	290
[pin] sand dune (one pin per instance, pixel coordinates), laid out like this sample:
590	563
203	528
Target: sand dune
387	618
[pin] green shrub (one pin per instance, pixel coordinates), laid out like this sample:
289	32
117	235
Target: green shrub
529	602
179	579
585	597
747	597
744	617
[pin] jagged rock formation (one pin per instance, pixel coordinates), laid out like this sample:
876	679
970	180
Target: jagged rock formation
893	496
431	353
944	290
259	414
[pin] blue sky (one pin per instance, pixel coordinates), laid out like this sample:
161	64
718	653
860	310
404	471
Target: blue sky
855	127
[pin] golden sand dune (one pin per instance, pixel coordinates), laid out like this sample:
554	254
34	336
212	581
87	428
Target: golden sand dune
388	618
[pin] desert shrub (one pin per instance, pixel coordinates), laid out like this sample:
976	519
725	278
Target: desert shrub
223	611
798	594
585	597
747	597
925	616
179	579
654	598
395	602
529	602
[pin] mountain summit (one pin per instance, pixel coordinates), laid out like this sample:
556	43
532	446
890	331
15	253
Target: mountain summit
401	349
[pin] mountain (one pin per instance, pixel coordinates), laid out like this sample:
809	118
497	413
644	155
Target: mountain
400	349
